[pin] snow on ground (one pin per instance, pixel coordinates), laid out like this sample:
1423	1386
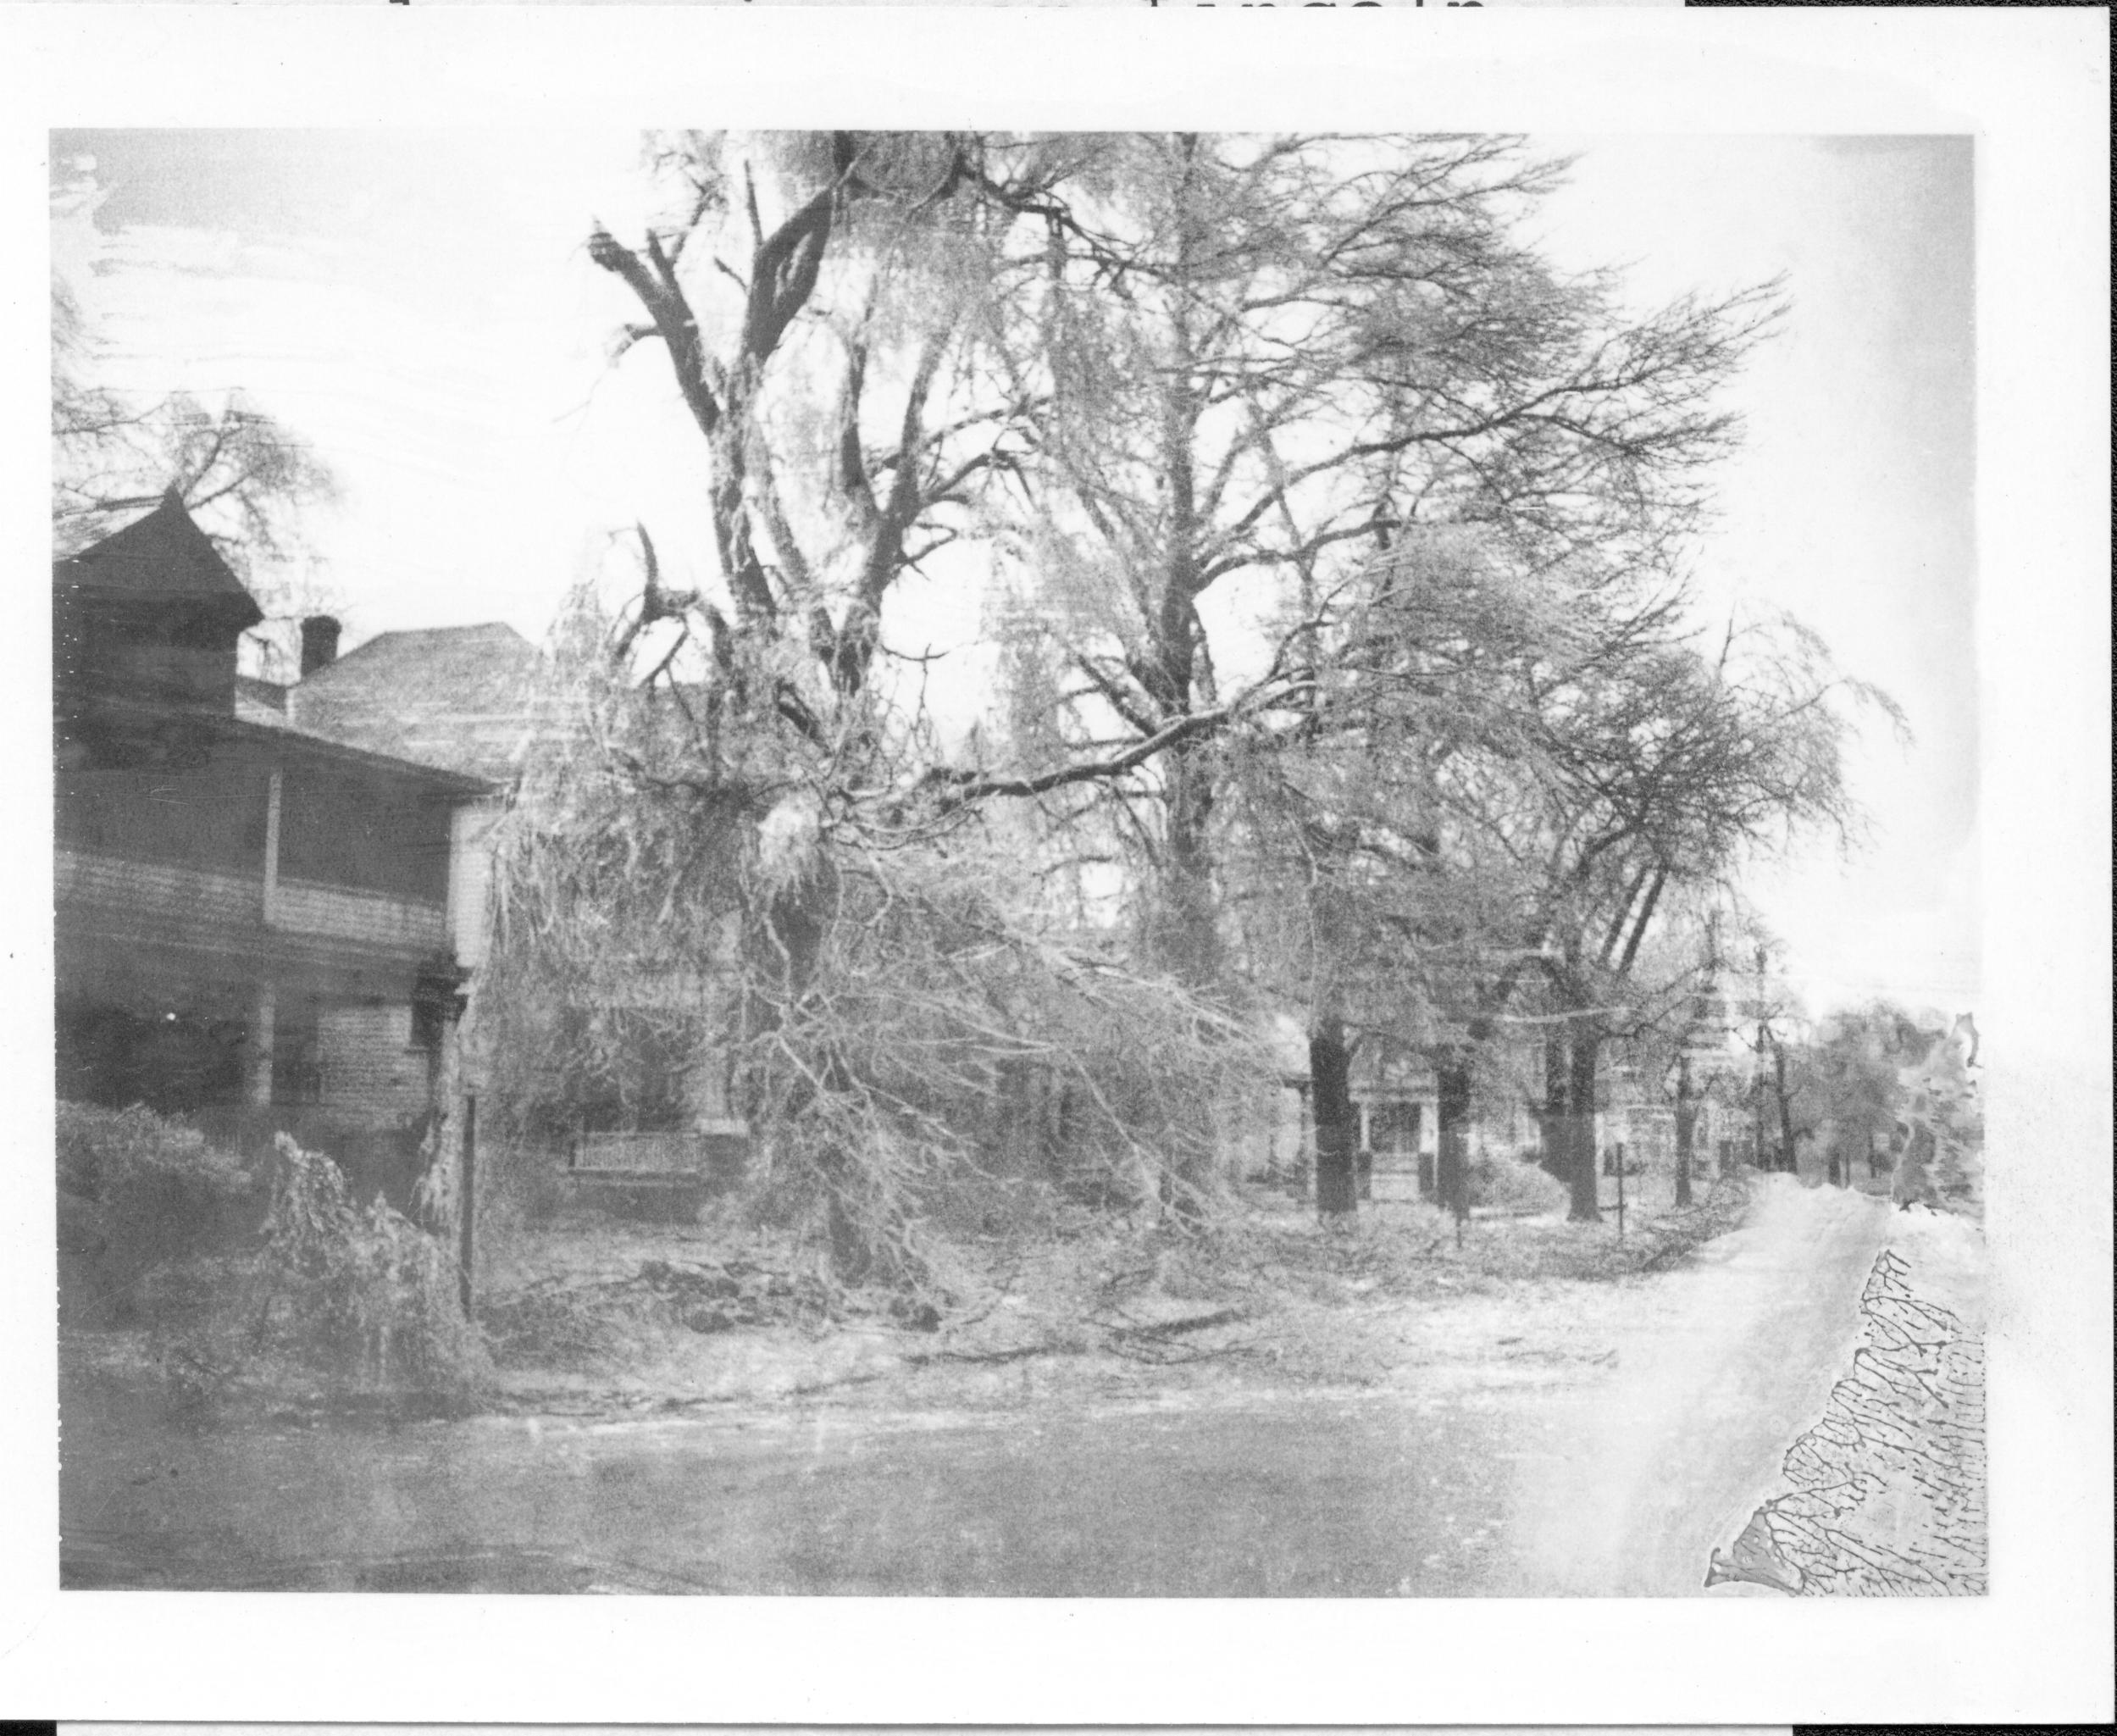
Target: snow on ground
1884	1495
1536	1411
1946	1253
592	1308
1715	1369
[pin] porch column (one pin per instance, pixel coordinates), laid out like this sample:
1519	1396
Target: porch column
1426	1144
258	1084
1304	1164
271	876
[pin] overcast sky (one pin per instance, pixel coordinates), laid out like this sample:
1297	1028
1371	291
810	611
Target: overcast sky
421	308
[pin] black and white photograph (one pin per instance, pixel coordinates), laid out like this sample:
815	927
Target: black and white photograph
1033	864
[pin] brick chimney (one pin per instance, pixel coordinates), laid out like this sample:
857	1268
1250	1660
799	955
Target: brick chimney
319	642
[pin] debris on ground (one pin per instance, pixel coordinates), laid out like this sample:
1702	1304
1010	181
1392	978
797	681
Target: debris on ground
585	1310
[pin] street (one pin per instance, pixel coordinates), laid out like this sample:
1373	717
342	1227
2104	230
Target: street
1625	1432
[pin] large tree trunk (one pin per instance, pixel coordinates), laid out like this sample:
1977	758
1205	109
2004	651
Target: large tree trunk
1186	941
1554	1149
1183	923
1330	1077
1452	1177
1686	1128
1183	938
1788	1162
1585	1054
864	1222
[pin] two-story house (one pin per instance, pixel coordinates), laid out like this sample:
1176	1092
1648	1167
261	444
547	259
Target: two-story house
256	924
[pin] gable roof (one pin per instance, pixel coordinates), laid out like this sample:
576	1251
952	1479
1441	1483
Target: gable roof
460	697
258	702
162	558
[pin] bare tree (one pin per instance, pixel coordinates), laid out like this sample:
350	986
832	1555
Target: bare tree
870	1003
818	352
1157	370
1850	1060
245	476
1676	765
1586	771
1365	876
1672	1022
1254	365
812	297
1258	362
1889	1085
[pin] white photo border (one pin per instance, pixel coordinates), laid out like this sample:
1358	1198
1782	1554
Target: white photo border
2030	84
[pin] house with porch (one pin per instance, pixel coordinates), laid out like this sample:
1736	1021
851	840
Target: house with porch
1397	1099
1395	1105
258	925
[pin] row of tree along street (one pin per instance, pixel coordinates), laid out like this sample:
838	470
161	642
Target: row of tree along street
1333	543
1333	547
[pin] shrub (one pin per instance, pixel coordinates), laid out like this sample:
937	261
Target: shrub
154	1191
365	1290
1509	1184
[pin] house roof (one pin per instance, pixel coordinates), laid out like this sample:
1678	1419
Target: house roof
460	697
260	702
162	558
147	719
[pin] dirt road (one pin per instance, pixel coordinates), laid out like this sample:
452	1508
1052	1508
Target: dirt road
1582	1438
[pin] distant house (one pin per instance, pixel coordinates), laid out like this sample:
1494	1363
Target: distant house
475	700
1397	1099
462	699
1637	1116
257	923
1395	1109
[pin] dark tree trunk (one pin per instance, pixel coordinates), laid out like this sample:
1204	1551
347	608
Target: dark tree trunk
1555	1148
1058	1151
1183	936
1330	1071
1304	1129
1582	1066
1787	1160
1686	1128
1451	1180
852	1250
864	1228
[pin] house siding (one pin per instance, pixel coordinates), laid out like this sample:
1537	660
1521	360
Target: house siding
337	913
367	1063
116	891
471	846
88	880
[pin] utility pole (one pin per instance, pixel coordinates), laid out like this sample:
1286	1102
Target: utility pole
466	1204
1686	1124
1757	1074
